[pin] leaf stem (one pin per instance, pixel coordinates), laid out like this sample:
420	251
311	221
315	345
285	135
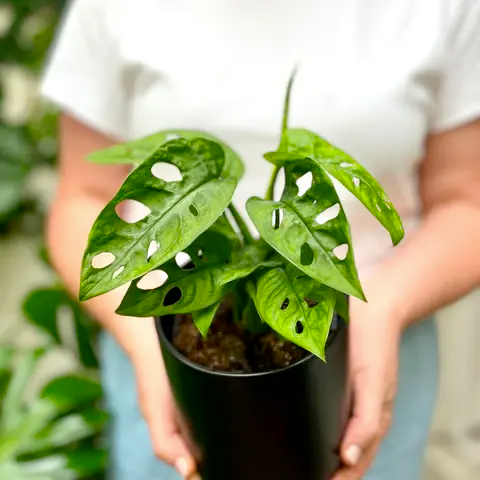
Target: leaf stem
247	236
271	186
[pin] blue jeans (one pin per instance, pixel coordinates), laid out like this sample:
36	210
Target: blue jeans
400	456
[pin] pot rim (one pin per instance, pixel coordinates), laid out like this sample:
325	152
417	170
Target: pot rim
182	358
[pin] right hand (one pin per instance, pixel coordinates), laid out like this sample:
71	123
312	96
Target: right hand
157	403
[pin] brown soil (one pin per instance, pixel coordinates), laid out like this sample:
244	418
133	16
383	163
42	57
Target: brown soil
227	348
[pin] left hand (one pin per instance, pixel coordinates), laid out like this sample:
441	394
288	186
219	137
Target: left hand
373	363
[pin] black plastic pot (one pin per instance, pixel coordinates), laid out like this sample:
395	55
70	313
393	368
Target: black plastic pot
282	425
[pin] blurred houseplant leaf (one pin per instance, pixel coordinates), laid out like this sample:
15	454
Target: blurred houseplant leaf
52	434
43	307
14	156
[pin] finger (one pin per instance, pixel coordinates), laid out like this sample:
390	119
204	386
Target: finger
169	445
185	465
364	427
357	472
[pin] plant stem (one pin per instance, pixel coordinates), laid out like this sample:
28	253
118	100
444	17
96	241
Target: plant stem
247	236
283	141
271	186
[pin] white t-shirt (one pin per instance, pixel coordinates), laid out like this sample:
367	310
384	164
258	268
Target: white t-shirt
375	78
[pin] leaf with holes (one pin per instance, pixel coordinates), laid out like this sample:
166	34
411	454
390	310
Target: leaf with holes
179	211
353	176
187	291
137	151
296	307
298	228
203	318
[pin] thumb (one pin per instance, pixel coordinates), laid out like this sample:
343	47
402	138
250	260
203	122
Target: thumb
173	449
364	426
168	443
184	462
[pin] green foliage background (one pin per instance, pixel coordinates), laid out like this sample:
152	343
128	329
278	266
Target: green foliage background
28	27
56	431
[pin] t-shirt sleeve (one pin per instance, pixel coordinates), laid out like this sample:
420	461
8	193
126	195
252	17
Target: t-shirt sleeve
84	73
458	100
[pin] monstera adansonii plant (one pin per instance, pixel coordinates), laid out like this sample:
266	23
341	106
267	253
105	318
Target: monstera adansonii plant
292	278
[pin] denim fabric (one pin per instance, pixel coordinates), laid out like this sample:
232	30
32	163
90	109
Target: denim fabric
401	454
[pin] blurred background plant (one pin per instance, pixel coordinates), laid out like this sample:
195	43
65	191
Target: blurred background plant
51	417
27	127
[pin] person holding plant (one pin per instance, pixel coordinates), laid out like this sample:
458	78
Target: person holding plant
393	83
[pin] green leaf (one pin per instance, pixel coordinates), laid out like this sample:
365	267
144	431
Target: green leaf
33	420
41	308
341	306
11	181
179	212
72	391
87	462
212	248
75	465
294	227
223	235
65	431
281	158
348	172
6	354
281	299
186	291
190	290
137	151
13	403
250	317
203	318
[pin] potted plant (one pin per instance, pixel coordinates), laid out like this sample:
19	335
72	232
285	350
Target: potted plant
245	324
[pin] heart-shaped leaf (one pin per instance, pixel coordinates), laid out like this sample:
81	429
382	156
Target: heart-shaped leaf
203	318
188	290
137	151
310	229
178	212
342	167
296	307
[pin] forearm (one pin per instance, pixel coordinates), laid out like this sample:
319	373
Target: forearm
435	266
69	224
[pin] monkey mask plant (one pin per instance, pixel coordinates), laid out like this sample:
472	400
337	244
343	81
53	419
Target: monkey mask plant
295	275
294	279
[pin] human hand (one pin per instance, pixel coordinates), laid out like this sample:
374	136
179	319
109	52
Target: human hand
157	403
373	363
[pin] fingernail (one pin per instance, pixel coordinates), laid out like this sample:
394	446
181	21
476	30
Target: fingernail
195	476
353	454
182	467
